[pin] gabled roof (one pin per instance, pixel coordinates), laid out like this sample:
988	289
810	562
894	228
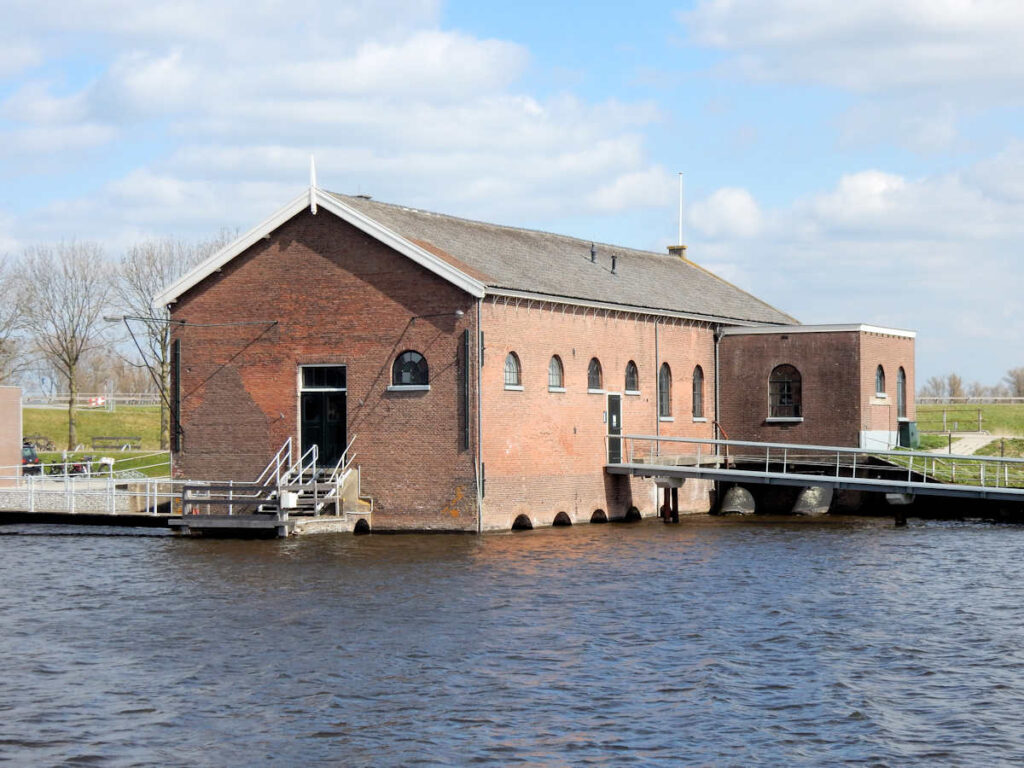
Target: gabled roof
483	258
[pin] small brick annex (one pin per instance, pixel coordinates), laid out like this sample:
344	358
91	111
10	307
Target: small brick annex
468	451
838	366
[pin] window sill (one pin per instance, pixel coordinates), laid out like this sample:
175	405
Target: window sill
700	419
905	420
409	388
784	419
556	389
514	387
666	418
881	395
633	393
595	391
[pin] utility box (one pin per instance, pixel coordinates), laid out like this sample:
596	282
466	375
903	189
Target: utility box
908	435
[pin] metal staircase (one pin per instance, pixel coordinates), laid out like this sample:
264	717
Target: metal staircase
287	491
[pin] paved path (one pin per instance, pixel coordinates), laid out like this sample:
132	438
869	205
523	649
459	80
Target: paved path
967	444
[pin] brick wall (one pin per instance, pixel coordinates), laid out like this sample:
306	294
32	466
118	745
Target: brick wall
10	433
830	369
544	452
892	353
838	384
339	297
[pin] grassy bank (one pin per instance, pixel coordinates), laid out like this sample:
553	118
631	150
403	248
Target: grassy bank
135	421
1011	448
999	418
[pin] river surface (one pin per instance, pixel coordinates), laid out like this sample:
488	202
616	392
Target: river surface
721	643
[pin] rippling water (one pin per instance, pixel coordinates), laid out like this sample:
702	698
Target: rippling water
707	643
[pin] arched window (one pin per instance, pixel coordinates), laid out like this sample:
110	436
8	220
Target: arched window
556	374
632	377
784	395
410	369
594	374
513	371
665	391
879	380
901	394
698	393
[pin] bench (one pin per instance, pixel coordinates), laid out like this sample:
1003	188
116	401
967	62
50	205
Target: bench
117	442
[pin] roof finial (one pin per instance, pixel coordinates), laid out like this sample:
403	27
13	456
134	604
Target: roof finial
680	249
312	185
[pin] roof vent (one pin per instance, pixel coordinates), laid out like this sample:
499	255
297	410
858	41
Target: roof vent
593	253
613	263
364	197
678	251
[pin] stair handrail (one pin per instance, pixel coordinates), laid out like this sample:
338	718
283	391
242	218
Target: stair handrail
344	462
283	458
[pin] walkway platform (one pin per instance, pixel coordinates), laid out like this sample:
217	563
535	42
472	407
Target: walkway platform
889	472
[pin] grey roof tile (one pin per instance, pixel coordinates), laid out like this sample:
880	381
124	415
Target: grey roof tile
559	266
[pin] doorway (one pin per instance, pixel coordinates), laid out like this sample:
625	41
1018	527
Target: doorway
614	429
323	409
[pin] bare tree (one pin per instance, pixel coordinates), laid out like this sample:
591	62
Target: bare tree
13	359
65	290
955	385
1014	379
934	387
145	270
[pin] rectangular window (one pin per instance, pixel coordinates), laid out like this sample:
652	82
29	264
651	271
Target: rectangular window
323	377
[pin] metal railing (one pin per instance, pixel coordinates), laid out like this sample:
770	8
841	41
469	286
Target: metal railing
80	494
916	467
98	400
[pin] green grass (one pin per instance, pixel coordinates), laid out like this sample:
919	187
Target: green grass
146	462
136	421
928	442
1013	447
1002	418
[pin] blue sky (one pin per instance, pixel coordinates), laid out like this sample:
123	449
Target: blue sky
855	162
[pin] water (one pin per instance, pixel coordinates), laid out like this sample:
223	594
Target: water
707	643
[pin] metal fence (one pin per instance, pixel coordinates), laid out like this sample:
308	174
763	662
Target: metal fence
95	400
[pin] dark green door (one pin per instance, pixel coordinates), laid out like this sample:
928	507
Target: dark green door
614	429
323	425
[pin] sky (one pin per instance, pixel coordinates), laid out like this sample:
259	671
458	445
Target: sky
856	162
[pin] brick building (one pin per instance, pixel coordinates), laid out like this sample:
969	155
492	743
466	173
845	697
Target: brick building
848	385
476	369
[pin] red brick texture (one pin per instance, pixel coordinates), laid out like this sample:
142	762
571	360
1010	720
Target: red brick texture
10	433
543	451
338	297
892	353
838	384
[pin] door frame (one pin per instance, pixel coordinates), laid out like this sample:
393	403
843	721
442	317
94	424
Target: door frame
608	425
301	390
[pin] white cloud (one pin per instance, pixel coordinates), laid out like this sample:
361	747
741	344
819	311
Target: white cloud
868	45
227	100
649	187
937	253
727	213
